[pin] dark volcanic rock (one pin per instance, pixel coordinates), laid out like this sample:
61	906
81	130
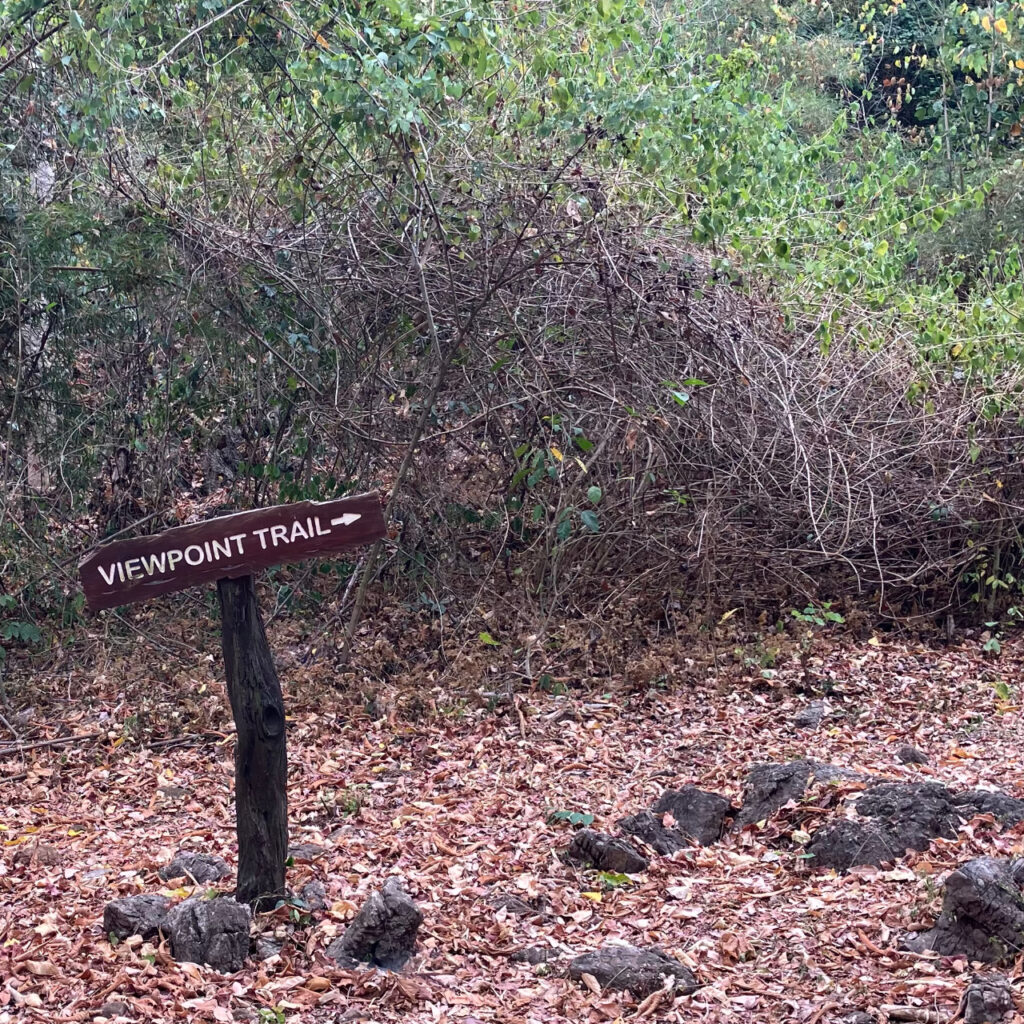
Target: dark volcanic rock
135	915
199	867
641	971
314	895
534	955
306	851
213	932
114	1008
844	843
988	999
537	907
772	786
910	755
1006	809
604	852
810	717
982	913
650	829
383	933
700	816
904	816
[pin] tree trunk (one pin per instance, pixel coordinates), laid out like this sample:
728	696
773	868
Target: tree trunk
261	767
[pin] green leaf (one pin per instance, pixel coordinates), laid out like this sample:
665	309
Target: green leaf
590	521
486	638
594	494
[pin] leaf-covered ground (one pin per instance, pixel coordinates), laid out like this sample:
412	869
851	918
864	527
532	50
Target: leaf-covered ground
457	800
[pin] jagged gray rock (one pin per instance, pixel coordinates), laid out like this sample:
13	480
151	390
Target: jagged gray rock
906	754
904	816
314	895
650	829
135	915
699	820
383	933
198	867
772	786
213	932
534	955
988	999
699	815
810	717
604	852
982	914
640	971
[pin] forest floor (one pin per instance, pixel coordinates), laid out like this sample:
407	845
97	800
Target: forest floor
457	798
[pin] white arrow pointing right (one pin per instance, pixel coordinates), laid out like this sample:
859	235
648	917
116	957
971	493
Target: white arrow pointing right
347	519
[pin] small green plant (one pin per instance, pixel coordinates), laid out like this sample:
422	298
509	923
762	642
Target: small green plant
573	818
270	1015
818	615
613	879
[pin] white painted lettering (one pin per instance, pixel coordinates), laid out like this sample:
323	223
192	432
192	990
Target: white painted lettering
298	530
108	574
321	531
174	556
237	538
154	563
261	533
221	549
120	571
279	534
209	553
134	568
194	559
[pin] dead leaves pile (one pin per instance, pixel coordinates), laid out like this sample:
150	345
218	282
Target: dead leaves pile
459	804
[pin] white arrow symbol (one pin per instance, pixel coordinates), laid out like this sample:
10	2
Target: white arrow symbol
347	519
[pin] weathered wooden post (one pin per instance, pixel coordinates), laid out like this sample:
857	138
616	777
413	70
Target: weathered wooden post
229	550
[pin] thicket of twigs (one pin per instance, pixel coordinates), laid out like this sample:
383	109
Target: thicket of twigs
566	405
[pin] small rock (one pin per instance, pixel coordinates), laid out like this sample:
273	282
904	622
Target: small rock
265	947
857	1017
771	786
1008	810
604	852
314	895
910	755
534	955
652	831
810	717
699	815
135	915
198	867
172	792
306	851
114	1008
982	913
383	933
537	907
213	932
38	853
988	999
845	843
640	971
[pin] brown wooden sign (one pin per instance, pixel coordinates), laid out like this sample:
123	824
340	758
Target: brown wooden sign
225	548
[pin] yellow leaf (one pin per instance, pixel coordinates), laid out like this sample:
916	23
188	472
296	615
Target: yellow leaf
74	832
323	42
986	23
875	642
595	896
557	454
841	227
1001	26
179	893
728	615
1019	64
956	349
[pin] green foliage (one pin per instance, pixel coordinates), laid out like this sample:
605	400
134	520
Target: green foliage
818	615
574	818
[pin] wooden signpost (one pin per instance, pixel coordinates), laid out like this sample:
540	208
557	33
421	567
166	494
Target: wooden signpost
229	550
